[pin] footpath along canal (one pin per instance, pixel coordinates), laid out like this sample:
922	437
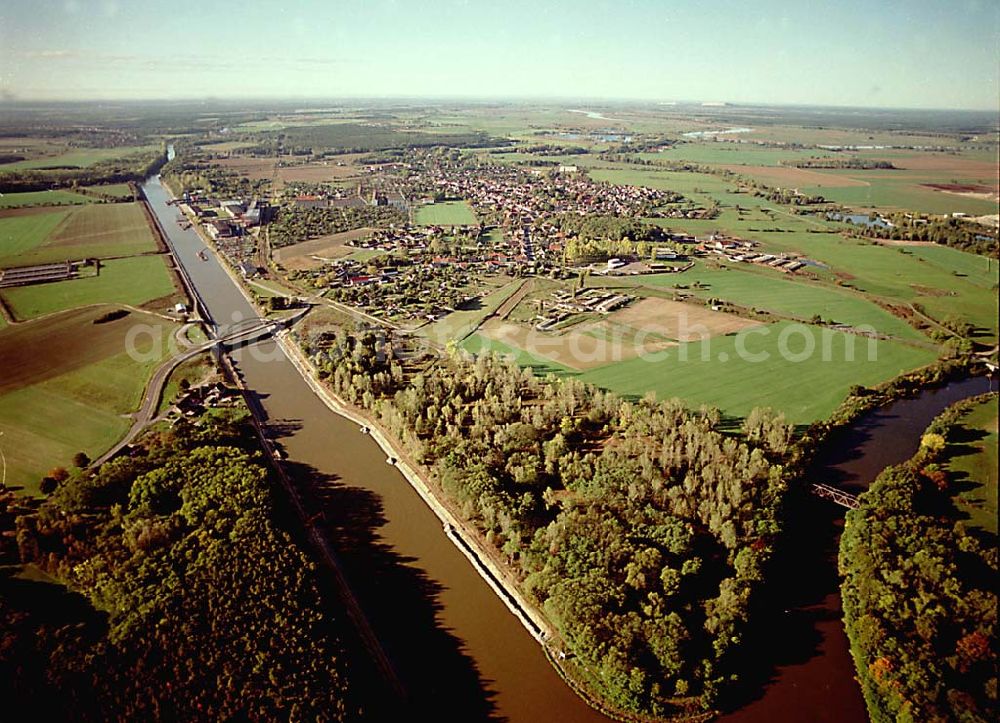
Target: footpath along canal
456	647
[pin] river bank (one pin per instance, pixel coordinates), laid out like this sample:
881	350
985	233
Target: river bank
804	635
465	538
272	398
449	634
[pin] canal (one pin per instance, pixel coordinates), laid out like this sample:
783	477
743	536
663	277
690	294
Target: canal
458	650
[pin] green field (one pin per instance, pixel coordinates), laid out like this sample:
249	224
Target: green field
42	198
780	293
972	268
929	276
726	153
680	181
447	213
133	281
99	230
77	158
112	190
805	390
479	344
22	235
975	466
61	402
729	372
900	192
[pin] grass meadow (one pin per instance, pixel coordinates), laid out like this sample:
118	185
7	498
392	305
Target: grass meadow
134	281
59	399
782	294
111	190
901	192
937	278
739	372
77	158
446	213
42	198
976	466
713	372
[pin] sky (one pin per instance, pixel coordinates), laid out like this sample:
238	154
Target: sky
872	53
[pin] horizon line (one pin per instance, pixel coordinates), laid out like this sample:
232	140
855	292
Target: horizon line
13	100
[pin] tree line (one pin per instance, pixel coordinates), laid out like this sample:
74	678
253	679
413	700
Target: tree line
134	168
640	528
183	598
918	593
949	231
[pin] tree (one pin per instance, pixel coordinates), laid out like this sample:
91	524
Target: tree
81	460
59	474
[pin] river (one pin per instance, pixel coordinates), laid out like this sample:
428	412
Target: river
812	674
458	650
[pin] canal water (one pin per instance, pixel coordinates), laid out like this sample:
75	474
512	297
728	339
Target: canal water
461	654
458	650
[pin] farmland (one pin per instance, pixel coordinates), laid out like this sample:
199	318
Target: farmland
42	198
446	213
23	234
784	295
58	399
910	186
899	192
75	158
896	273
134	281
734	372
716	372
99	230
110	190
733	153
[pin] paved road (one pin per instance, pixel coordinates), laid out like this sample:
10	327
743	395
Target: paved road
154	389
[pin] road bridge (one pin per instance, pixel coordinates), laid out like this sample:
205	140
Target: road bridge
247	331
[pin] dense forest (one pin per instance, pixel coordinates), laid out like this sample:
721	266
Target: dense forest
918	594
184	598
641	529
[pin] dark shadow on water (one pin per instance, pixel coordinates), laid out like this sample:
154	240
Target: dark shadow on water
400	602
785	618
803	580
